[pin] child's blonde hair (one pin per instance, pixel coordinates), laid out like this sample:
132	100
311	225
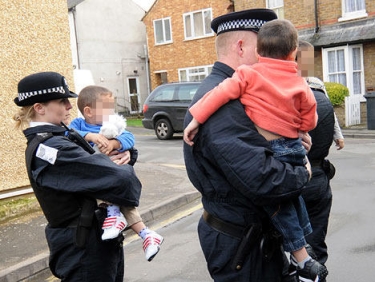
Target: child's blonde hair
89	95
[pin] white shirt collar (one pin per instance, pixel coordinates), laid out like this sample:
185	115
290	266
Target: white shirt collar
38	123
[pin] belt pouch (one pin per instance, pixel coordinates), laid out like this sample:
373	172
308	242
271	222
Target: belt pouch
251	237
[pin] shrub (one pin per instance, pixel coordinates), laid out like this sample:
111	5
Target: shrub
336	93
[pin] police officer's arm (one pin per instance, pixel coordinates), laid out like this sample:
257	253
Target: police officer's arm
239	151
95	175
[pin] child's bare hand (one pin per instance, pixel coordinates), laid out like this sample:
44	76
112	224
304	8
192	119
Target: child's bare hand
190	131
339	143
97	139
113	144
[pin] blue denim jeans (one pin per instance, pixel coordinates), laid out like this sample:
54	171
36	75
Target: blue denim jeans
290	218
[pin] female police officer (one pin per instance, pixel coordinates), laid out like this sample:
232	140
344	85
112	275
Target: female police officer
67	179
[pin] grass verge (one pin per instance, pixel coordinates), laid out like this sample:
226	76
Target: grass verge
134	121
18	206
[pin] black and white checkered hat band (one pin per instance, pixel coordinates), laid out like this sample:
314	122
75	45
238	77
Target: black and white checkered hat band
25	95
240	24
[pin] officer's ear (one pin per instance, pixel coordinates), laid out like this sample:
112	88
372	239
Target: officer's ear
239	46
39	108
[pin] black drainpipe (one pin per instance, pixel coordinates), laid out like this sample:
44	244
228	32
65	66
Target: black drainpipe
316	16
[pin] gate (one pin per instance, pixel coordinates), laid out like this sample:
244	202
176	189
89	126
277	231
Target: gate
352	110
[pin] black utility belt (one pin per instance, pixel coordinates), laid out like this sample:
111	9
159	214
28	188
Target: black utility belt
224	227
316	163
249	237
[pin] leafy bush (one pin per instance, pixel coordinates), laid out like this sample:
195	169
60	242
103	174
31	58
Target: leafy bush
336	93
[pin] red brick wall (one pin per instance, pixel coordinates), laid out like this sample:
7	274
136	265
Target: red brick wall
246	4
180	53
199	52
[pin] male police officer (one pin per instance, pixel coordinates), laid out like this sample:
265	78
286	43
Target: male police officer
233	168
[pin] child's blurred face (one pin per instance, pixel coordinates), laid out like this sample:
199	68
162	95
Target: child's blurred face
104	107
305	61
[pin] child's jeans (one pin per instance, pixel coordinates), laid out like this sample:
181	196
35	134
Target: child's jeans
290	218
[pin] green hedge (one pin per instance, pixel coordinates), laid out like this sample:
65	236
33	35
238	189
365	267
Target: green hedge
336	93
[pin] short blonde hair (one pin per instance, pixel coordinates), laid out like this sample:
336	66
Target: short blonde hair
89	95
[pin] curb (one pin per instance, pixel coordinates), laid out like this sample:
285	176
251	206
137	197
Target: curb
359	135
39	263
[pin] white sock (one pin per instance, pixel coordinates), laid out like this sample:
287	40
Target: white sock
113	210
301	264
143	233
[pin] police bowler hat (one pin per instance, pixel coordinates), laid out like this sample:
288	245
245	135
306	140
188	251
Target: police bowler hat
42	87
251	20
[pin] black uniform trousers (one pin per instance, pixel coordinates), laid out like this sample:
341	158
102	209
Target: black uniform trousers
318	199
99	261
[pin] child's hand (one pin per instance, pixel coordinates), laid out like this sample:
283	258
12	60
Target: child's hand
97	139
190	131
339	144
113	144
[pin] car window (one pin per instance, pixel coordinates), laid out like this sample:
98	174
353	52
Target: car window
164	94
186	92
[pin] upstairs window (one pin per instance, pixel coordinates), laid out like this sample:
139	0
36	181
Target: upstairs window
163	31
277	6
198	24
353	9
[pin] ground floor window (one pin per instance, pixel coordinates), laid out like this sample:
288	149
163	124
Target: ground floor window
344	64
194	73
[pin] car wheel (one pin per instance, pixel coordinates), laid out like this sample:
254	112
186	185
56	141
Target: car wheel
163	129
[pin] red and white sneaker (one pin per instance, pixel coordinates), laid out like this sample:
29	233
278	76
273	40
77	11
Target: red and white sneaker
112	226
151	244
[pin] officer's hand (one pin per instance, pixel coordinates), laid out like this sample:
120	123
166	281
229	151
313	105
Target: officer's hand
120	158
308	167
306	140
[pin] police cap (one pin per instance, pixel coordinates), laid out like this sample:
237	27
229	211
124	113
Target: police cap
42	87
251	20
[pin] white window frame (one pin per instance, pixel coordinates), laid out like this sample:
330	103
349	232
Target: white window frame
194	73
277	6
207	31
163	20
355	14
348	67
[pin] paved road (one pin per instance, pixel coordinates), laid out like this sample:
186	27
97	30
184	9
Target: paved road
351	234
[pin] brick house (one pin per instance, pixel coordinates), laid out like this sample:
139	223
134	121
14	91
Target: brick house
181	46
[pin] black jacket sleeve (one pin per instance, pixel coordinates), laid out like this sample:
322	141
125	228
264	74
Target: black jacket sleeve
77	171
